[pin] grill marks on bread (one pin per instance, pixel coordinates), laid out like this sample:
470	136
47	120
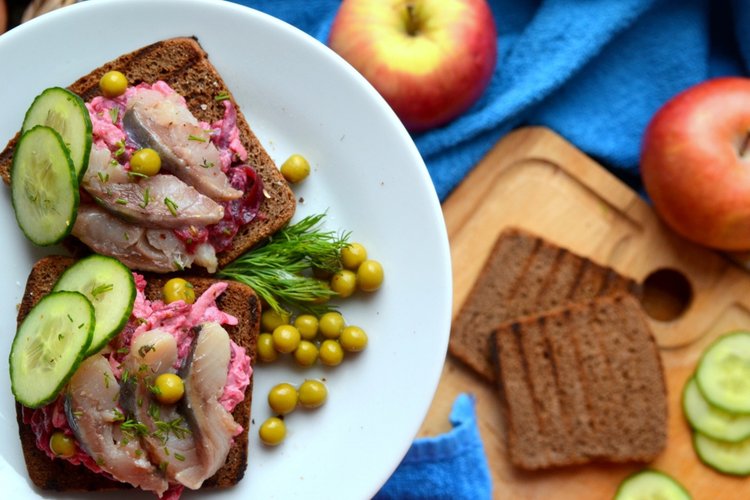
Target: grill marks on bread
580	384
524	275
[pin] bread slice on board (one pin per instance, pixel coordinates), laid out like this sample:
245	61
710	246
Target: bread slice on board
238	300
185	66
582	383
524	275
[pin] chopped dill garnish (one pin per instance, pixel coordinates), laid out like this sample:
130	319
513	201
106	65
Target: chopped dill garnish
114	113
175	426
145	201
192	137
120	148
142	353
221	96
172	206
100	289
134	427
153	410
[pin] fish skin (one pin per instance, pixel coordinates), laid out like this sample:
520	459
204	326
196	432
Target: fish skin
159	350
184	147
90	404
204	374
145	249
143	201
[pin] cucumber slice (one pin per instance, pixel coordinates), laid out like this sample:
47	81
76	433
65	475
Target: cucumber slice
729	458
711	421
651	485
723	373
48	347
109	286
44	188
65	112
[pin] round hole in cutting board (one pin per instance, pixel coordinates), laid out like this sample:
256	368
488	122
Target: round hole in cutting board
667	293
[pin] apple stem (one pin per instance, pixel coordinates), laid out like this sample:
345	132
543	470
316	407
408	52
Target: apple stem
745	144
412	24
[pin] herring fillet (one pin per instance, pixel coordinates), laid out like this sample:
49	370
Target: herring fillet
204	374
184	147
148	249
160	201
90	405
152	354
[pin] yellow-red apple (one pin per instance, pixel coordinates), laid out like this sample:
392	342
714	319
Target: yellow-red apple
695	163
429	59
3	17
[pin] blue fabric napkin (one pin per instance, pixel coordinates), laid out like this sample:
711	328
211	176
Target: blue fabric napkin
451	466
595	71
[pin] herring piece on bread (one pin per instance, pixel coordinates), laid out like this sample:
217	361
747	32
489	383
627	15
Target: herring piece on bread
582	383
238	300
523	275
185	67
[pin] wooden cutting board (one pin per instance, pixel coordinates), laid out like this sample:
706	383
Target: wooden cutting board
536	180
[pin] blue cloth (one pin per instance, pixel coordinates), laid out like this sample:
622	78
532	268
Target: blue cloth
594	71
451	466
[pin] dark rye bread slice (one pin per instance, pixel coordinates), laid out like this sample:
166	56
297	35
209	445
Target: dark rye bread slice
184	65
524	275
580	384
238	300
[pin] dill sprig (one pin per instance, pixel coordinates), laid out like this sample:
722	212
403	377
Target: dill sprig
279	271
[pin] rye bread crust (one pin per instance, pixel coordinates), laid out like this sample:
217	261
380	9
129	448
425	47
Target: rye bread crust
184	65
238	300
524	275
582	383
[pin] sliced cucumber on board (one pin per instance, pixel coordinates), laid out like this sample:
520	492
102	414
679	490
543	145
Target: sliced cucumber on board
44	186
710	420
723	373
48	347
729	458
651	485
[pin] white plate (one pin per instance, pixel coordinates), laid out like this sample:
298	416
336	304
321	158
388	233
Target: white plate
298	97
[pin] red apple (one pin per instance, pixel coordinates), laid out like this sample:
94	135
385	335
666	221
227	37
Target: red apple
429	59
695	163
3	17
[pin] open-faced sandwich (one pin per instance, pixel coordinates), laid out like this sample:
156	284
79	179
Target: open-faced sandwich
125	380
154	164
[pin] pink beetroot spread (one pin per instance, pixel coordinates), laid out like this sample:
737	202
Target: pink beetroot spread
109	131
177	318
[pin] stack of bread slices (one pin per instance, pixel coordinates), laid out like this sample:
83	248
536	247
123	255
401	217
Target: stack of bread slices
568	344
